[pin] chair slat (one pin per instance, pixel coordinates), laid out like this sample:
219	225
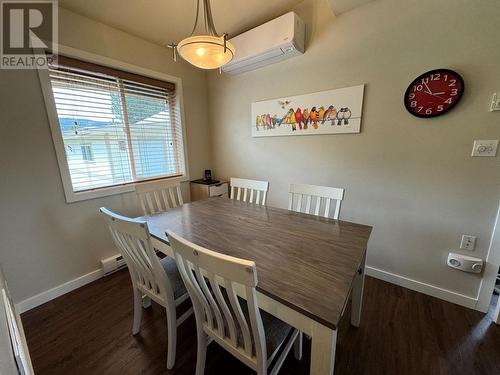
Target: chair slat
290	200
308	204
317	193
210	299
327	207
165	199
151	208
158	200
159	195
253	190
318	205
233	299
194	284
172	197
337	210
299	203
233	337
179	195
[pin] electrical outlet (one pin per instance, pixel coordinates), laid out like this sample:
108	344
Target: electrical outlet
468	242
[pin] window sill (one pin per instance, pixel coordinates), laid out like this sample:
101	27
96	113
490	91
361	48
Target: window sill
72	196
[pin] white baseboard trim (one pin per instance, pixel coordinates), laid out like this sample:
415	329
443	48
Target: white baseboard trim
59	290
418	286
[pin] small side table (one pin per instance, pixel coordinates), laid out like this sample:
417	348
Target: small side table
204	189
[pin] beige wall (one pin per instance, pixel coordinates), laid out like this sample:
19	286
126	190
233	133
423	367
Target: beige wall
412	179
45	242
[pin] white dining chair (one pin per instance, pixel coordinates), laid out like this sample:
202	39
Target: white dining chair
252	191
238	325
152	277
158	196
315	200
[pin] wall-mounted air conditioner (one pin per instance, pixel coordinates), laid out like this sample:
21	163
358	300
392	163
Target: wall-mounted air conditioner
274	41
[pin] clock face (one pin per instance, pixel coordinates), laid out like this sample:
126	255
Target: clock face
434	93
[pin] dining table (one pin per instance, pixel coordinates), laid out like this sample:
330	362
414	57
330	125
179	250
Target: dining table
308	267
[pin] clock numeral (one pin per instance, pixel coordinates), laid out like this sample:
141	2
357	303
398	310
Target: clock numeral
411	96
413	104
425	80
420	109
440	108
445	77
428	111
452	82
449	101
418	88
454	92
435	77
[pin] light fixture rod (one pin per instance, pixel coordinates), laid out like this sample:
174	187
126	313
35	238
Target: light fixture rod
207	18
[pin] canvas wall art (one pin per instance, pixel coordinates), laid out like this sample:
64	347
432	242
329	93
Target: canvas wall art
326	112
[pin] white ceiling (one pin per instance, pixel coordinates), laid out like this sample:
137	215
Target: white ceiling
165	21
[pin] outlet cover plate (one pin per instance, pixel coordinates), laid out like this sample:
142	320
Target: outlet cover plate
485	147
468	242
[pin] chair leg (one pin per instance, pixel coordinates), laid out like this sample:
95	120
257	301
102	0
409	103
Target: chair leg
202	350
298	347
171	336
136	327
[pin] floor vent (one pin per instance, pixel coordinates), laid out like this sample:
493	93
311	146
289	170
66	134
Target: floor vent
112	264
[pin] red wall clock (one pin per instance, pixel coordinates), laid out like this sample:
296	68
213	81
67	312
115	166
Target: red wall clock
434	93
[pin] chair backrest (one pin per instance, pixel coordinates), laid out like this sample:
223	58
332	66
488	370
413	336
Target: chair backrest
133	241
315	200
212	279
252	191
158	196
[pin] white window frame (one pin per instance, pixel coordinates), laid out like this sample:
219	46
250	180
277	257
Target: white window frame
43	75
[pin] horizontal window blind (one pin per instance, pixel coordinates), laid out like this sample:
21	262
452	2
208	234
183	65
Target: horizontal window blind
116	130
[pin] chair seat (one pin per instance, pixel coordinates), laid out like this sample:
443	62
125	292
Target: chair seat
174	276
275	330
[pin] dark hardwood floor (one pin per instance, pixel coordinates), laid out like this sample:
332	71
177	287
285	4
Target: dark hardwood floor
402	332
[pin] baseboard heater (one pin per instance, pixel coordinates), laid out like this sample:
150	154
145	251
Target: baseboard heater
115	263
112	264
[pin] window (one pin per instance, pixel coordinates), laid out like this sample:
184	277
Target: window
87	152
117	128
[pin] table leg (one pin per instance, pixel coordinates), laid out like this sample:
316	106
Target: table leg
324	340
357	295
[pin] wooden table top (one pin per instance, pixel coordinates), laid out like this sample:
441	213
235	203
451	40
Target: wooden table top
305	262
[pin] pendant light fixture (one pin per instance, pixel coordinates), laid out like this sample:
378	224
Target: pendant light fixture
206	50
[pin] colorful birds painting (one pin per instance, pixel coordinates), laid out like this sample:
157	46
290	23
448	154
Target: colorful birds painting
315	116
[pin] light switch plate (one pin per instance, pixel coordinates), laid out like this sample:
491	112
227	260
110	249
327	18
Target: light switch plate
484	147
495	102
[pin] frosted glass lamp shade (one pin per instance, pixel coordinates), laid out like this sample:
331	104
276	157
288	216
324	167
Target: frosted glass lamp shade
206	51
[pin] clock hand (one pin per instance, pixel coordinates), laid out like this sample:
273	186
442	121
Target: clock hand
437	96
428	89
